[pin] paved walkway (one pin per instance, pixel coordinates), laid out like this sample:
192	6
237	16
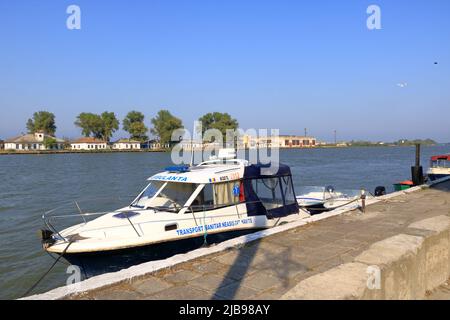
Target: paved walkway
268	268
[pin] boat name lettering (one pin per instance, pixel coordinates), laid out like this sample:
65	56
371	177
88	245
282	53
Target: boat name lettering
170	178
225	224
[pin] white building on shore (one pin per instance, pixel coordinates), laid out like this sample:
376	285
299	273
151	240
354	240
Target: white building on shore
34	141
154	145
282	142
126	144
89	143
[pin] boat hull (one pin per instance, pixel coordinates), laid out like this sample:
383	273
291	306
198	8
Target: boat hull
96	263
434	177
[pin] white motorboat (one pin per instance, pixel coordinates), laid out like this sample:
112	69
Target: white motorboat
439	167
181	209
320	199
313	197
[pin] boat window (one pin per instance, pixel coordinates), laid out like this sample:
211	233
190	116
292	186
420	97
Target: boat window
172	197
176	194
288	190
217	196
269	192
148	193
440	163
204	201
226	193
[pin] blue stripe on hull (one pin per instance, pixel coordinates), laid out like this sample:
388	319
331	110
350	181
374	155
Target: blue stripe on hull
95	263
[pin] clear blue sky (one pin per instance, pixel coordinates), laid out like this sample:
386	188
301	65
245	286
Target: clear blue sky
270	64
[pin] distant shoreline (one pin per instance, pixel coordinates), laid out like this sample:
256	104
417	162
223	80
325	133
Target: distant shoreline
44	152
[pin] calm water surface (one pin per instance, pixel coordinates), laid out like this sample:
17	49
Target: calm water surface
32	184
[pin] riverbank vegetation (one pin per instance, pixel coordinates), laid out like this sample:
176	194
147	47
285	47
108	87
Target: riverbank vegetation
399	143
103	126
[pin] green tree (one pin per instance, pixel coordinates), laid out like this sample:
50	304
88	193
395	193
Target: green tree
99	126
90	124
109	125
164	124
49	142
134	125
219	121
42	121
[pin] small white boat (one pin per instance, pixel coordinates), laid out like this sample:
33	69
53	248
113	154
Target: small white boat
312	197
439	167
181	209
343	198
320	199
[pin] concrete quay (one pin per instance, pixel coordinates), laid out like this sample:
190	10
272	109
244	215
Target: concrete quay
441	293
406	238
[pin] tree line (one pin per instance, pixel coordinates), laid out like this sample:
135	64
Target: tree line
102	126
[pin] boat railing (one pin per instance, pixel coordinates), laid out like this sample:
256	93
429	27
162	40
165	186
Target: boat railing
197	213
76	209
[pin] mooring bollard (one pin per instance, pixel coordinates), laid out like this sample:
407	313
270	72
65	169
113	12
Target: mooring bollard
363	201
417	170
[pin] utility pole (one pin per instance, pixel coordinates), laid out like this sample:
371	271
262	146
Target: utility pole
148	141
306	132
335	137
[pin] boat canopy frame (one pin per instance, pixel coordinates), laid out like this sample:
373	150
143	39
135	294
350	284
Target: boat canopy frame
255	205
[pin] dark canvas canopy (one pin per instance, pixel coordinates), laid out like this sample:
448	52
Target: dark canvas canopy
256	205
266	170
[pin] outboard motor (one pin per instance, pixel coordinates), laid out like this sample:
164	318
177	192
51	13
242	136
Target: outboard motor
330	189
380	191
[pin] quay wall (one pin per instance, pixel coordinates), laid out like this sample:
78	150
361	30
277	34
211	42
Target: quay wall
407	266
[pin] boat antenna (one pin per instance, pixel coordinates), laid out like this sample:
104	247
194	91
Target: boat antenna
192	153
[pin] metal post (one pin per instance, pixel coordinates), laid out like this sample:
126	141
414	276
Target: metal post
363	201
418	155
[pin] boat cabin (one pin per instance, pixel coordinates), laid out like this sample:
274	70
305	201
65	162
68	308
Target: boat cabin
442	161
215	185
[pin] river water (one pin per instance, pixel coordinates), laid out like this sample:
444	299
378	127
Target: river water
33	184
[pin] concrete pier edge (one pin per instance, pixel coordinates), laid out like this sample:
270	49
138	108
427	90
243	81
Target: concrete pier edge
142	270
408	266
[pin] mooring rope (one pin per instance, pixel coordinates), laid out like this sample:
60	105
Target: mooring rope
48	271
205	234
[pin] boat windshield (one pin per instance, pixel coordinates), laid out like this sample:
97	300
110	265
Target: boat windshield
166	196
309	190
